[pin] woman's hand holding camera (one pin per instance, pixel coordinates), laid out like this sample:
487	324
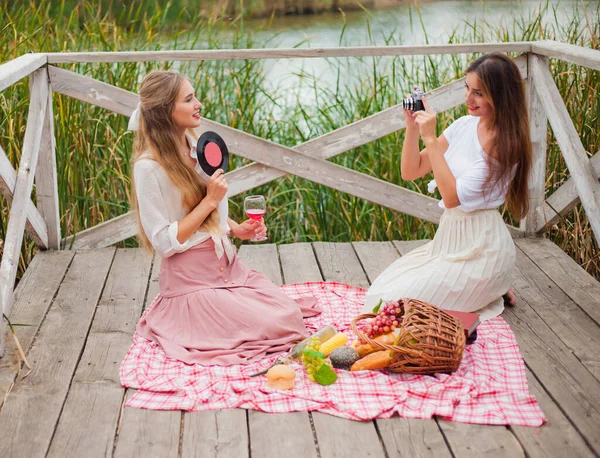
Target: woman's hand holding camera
216	188
426	120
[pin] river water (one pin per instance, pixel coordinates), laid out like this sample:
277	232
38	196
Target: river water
433	22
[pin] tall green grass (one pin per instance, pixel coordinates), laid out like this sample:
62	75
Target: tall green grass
93	146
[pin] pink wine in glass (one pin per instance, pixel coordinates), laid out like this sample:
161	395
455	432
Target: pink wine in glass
255	214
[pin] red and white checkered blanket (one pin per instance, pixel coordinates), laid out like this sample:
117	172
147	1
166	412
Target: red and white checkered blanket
490	386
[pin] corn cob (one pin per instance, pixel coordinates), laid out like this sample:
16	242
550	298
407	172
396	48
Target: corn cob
330	344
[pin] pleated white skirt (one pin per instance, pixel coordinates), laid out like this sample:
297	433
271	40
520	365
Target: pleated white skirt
467	266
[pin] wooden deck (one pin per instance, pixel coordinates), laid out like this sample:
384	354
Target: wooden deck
85	306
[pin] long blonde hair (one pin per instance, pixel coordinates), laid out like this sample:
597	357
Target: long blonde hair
157	135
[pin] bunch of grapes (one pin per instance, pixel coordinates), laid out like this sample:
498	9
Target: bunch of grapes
312	363
388	318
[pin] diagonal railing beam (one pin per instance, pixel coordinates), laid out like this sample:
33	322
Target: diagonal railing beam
35	225
563	200
23	187
570	144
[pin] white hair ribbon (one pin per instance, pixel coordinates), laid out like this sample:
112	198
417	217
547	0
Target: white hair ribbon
134	121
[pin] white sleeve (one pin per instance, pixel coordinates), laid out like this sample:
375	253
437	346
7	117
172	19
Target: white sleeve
154	215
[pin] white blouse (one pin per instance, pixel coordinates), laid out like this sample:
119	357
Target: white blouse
161	209
467	162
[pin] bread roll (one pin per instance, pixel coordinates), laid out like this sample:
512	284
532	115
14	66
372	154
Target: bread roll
281	377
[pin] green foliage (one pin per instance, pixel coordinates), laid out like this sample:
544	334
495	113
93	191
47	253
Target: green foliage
93	147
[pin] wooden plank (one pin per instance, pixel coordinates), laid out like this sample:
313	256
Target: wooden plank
139	437
580	286
35	225
104	234
469	439
557	437
375	257
46	182
480	440
215	434
298	263
579	55
272	433
538	126
568	382
405	437
570	144
264	259
338	262
14	70
279	53
563	200
141	432
411	437
23	187
30	413
288	433
89	417
33	297
339	437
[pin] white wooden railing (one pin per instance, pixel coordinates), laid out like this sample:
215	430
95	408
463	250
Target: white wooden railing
271	161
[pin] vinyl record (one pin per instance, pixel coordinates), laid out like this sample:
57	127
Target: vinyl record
212	153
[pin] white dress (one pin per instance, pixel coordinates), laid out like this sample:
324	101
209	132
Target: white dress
468	264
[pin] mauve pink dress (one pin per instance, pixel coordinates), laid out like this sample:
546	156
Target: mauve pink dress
213	312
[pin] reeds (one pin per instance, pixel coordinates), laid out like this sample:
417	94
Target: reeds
93	146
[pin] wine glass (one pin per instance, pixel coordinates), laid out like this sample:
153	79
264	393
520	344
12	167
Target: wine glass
256	207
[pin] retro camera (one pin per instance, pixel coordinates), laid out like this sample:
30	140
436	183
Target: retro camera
415	101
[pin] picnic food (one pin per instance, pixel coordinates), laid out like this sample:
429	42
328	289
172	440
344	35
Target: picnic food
343	357
317	367
336	341
364	349
322	334
389	316
281	377
377	360
427	340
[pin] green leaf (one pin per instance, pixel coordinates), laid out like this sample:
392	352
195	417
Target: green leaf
325	375
378	306
314	354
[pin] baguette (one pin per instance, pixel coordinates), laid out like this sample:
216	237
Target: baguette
377	360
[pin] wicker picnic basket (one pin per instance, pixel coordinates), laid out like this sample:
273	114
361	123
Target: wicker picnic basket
430	340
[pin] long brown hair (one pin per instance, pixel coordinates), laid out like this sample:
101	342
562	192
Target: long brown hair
157	135
502	86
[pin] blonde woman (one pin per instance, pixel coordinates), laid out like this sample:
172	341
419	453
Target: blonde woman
480	162
211	309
